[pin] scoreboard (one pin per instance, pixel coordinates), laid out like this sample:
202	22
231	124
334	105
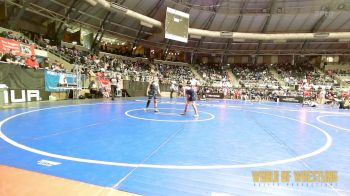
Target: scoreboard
176	25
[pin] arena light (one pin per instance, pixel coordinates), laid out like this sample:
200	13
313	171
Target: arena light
279	10
321	35
143	18
146	24
195	36
91	2
238	40
114	7
119	7
344	40
280	41
341	7
264	10
226	34
104	3
270	36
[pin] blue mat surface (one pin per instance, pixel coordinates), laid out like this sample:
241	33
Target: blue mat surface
118	144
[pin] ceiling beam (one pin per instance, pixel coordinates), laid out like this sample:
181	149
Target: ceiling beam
99	33
19	14
206	25
59	33
325	13
151	14
93	16
234	29
264	29
124	16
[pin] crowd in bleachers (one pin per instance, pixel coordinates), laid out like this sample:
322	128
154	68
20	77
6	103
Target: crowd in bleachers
256	81
168	73
304	75
26	61
13	36
139	70
337	72
254	76
213	75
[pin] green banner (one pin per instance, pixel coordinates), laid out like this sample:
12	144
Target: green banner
18	78
138	89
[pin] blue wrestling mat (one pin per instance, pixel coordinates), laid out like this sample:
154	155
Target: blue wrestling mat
119	145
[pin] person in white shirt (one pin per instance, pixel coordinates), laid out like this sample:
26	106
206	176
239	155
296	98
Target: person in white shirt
194	82
114	83
172	88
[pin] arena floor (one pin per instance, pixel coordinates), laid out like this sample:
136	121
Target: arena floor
119	146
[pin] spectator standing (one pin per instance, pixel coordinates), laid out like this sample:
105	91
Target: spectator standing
172	88
114	83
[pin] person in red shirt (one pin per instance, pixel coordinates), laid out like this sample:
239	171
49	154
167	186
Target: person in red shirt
307	93
32	62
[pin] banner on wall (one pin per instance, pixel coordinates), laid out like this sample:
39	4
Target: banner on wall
291	99
55	80
214	95
23	84
20	48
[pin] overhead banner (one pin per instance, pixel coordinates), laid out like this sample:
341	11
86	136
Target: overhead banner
20	48
55	80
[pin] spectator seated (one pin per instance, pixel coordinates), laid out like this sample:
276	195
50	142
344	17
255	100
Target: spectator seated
254	76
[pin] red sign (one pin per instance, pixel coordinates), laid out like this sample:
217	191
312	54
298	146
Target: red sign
20	48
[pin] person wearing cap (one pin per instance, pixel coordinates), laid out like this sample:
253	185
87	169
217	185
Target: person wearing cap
190	95
114	83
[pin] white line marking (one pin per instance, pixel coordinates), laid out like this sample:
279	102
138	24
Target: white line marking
149	156
47	163
219	194
127	113
167	113
337	127
179	167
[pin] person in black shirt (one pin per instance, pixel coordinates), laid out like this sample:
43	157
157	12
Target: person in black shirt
114	82
191	98
45	63
9	57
